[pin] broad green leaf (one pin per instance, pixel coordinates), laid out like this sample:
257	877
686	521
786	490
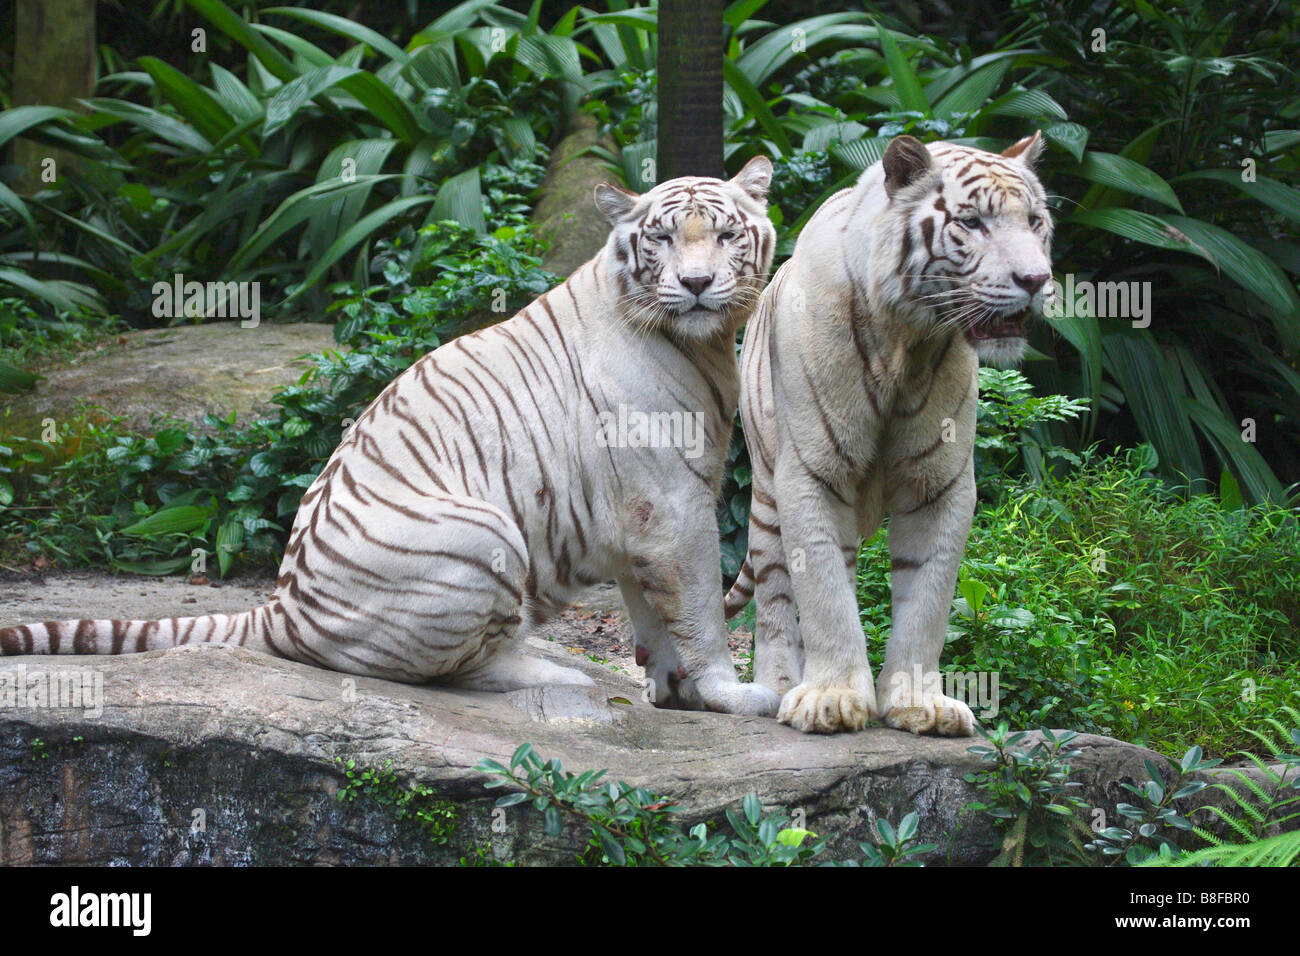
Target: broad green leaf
294	210
162	125
755	103
1070	137
1083	331
306	55
1030	104
433	66
229	537
234	95
906	83
861	153
1258	479
11	200
234	26
549	56
355	159
459	16
60	293
153	568
1118	172
1135	362
170	521
1253	271
344	28
793	836
358	232
1138	226
974	90
16	121
1276	195
764	57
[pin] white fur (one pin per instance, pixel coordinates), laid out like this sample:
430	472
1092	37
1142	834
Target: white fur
859	384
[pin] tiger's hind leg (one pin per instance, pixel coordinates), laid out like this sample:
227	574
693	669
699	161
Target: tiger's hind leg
778	647
504	662
511	667
434	591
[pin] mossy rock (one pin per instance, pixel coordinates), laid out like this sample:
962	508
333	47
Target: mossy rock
184	372
566	214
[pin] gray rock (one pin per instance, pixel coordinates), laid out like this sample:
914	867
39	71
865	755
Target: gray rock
185	372
250	746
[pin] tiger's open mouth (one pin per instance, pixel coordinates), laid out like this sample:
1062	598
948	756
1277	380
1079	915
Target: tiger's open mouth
1011	326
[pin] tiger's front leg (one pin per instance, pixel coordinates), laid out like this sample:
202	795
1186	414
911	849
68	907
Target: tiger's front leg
819	533
926	543
673	588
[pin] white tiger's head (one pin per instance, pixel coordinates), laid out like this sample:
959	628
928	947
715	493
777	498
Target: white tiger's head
975	236
690	257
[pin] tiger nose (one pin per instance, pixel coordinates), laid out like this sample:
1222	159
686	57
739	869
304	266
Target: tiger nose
697	284
1031	283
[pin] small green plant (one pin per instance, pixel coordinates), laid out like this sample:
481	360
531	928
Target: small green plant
1143	837
409	801
1030	797
480	856
1276	802
895	847
1010	435
630	826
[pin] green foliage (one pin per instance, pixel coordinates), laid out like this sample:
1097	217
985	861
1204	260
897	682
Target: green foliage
629	826
29	339
1119	607
1262	806
289	174
437	819
1008	433
1030	797
1282	849
1028	793
143	503
1143	838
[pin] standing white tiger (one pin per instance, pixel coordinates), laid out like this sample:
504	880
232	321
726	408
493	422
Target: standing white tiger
859	387
482	489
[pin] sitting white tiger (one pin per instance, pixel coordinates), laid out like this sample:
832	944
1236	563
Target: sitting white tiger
859	387
488	483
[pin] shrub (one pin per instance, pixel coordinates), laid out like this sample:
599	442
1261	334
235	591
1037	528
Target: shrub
1116	606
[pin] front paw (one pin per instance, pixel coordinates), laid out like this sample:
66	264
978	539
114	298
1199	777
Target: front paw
752	700
829	709
937	714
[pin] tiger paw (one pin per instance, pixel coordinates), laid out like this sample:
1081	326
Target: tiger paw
753	700
938	715
827	710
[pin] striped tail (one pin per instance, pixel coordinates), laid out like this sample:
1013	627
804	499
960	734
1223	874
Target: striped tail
741	592
132	637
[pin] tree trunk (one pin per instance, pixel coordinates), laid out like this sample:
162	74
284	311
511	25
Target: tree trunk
690	88
54	65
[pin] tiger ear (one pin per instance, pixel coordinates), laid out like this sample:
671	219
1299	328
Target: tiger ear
614	202
755	177
906	160
1026	150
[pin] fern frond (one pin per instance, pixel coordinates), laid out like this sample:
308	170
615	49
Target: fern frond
1207	836
1280	850
1231	821
1270	744
1264	768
